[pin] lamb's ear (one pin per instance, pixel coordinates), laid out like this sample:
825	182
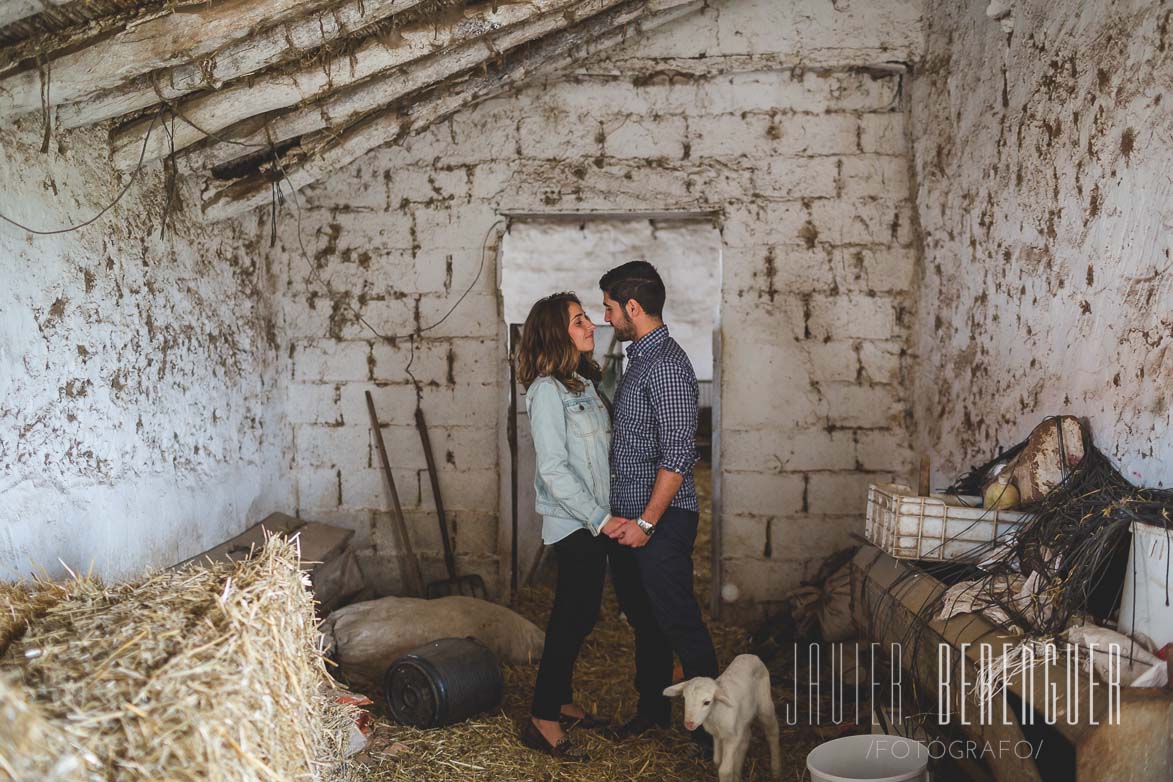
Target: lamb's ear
720	696
674	690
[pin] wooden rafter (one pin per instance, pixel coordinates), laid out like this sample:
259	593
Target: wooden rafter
15	10
327	151
182	36
340	109
279	42
213	112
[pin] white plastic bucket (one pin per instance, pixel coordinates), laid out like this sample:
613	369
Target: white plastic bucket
869	759
1145	584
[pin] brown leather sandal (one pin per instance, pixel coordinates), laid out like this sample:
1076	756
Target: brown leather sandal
565	749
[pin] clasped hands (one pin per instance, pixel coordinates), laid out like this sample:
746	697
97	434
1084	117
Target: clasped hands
626	532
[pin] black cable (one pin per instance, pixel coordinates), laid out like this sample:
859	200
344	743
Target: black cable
175	112
345	300
121	193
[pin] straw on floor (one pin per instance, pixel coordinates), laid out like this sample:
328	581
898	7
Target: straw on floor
487	749
209	673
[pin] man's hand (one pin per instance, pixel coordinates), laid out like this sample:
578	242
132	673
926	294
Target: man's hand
614	528
610	529
631	535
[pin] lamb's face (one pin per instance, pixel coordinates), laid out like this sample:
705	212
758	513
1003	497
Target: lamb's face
699	696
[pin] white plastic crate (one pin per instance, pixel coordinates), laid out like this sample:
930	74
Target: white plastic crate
940	527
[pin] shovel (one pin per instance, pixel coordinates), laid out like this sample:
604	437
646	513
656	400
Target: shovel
469	586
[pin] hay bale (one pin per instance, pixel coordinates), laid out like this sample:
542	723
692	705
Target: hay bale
205	673
32	748
22	603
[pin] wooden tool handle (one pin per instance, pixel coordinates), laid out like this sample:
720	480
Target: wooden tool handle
413	564
434	477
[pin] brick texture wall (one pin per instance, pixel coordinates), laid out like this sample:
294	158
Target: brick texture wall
808	168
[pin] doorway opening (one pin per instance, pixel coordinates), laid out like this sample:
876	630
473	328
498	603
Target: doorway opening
543	254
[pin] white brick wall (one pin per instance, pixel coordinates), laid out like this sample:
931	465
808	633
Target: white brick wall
1046	244
808	170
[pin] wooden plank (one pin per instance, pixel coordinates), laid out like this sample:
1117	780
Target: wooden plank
239	546
322	542
279	42
182	35
215	111
15	10
553	52
343	108
319	542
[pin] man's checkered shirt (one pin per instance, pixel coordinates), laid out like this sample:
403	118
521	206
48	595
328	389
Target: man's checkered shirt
655	424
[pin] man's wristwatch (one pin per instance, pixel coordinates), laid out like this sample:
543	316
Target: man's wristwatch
645	526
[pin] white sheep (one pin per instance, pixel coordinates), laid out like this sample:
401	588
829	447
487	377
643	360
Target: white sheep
726	706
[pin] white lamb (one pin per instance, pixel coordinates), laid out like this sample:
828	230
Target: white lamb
726	706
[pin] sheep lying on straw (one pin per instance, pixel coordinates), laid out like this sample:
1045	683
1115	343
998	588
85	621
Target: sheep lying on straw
205	673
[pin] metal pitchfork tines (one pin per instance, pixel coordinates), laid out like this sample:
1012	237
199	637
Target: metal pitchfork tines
471	585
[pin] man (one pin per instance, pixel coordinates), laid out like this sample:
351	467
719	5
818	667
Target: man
653	496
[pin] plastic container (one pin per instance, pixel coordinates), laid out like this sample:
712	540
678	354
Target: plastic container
443	682
939	527
1147	582
869	758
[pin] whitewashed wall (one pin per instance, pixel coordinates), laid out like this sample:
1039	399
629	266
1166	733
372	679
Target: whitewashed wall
140	417
1044	167
784	117
539	257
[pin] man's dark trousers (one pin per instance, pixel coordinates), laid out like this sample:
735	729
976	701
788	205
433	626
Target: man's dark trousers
654	587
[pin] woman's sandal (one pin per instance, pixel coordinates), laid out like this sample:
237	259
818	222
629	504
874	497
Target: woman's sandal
564	750
587	722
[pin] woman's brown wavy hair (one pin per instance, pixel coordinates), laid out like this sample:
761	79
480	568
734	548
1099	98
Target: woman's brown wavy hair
546	347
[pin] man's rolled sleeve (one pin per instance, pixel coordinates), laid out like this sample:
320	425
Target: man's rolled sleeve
673	396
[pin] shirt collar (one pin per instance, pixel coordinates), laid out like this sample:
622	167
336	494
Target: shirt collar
653	339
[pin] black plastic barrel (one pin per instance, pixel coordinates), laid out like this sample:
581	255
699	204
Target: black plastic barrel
443	682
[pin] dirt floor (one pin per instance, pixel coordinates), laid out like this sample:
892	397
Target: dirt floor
487	747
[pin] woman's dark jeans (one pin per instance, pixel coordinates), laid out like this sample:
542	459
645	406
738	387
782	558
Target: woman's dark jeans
582	565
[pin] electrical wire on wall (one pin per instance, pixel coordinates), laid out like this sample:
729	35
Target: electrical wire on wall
171	175
121	193
343	299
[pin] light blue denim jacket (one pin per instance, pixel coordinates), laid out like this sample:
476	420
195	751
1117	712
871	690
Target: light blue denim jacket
572	438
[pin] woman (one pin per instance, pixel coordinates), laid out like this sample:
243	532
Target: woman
571	431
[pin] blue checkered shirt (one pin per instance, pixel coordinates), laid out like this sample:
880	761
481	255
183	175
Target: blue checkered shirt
655	424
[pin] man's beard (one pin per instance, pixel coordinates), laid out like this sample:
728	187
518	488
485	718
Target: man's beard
625	331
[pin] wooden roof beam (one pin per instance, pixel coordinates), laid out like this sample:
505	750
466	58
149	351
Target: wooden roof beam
340	109
184	35
213	112
327	152
280	42
14	10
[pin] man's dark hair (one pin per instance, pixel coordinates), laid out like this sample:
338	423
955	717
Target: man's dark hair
637	280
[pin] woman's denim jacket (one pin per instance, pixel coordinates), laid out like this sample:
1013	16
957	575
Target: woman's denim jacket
572	438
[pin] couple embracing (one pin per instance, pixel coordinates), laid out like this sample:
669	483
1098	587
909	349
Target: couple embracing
614	484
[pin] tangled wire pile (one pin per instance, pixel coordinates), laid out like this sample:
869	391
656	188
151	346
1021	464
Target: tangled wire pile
1074	545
